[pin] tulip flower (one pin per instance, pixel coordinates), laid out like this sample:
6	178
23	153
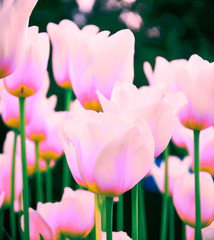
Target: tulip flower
38	226
102	60
76	213
2	196
105	155
157	106
176	169
184	198
61	41
117	236
195	78
28	77
14	17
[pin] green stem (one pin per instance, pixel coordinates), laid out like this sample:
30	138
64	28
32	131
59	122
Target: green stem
97	220
120	214
109	217
165	198
172	221
1	222
134	193
142	214
66	181
39	189
48	183
12	189
102	205
24	168
198	235
183	230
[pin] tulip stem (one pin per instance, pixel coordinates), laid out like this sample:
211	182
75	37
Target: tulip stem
24	168
102	204
165	198
134	193
184	230
39	189
120	214
12	189
1	222
97	216
172	221
48	182
66	181
142	214
109	217
198	235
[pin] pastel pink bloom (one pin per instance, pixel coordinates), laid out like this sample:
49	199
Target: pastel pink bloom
207	232
153	103
97	61
14	17
104	154
176	169
38	226
76	213
132	20
60	42
195	78
117	236
184	198
183	136
51	148
28	77
49	212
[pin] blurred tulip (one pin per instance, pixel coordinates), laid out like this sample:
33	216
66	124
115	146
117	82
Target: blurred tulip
117	236
2	196
28	77
96	61
176	169
38	226
184	198
14	17
76	213
195	78
157	106
105	155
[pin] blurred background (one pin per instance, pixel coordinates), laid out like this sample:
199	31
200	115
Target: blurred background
168	28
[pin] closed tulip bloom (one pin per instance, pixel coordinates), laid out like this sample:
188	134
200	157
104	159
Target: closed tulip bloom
195	78
49	212
14	17
97	61
105	155
157	106
176	169
117	236
76	213
184	198
38	226
60	42
28	77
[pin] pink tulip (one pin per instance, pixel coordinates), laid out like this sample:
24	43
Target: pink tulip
2	196
195	78
157	106
176	169
76	213
28	77
96	61
51	147
38	226
117	236
184	198
49	212
14	17
61	42
207	232
104	154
